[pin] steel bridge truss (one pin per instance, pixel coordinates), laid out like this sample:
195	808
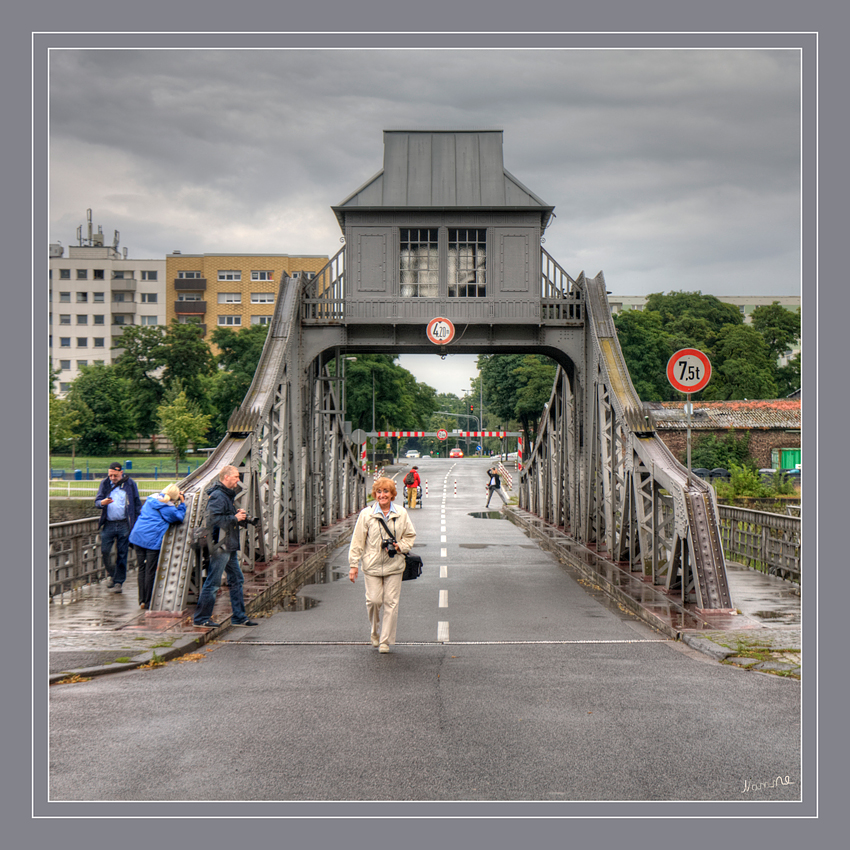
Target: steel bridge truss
299	473
599	471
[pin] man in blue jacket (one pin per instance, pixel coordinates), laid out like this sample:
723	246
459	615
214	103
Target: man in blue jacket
118	499
224	519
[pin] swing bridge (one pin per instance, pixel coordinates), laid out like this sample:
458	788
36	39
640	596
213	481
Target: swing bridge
444	230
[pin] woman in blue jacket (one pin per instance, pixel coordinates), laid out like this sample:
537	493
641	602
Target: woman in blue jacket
157	514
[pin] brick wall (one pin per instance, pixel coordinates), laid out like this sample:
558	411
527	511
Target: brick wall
762	442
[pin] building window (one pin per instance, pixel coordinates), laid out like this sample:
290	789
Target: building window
148	297
97	274
82	298
467	262
122	297
229	275
185	275
229	298
98	362
82	319
117	275
262	297
120	320
64	342
81	363
64	318
261	320
64	364
65	297
82	274
189	320
189	296
148	320
97	297
99	319
64	386
64	274
148	275
419	262
82	342
230	320
99	342
261	275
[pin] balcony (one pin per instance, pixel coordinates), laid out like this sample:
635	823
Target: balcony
190	308
123	284
194	284
128	308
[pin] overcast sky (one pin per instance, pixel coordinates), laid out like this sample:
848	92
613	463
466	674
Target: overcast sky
668	169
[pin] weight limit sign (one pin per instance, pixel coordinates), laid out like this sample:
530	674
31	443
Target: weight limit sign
689	370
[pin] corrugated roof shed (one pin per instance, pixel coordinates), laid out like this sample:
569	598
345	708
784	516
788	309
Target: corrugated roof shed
764	414
443	169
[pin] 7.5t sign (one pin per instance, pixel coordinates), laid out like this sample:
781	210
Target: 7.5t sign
689	370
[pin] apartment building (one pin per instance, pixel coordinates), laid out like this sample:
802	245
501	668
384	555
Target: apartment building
229	290
96	291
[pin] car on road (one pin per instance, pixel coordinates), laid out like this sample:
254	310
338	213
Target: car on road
413	453
455	453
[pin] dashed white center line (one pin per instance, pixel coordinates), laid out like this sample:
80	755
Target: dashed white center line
444	599
444	570
443	631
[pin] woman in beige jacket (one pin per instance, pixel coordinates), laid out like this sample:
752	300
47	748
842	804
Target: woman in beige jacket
382	571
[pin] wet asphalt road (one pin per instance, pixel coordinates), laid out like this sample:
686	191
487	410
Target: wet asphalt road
510	681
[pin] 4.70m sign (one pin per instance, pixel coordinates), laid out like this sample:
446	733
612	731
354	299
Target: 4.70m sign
689	370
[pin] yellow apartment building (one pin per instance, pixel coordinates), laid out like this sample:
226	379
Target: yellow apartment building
229	290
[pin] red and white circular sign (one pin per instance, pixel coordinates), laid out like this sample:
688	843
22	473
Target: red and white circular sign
688	370
442	435
440	331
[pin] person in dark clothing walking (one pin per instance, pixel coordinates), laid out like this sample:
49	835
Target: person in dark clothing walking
118	499
223	518
495	486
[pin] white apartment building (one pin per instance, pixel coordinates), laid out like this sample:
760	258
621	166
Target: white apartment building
95	292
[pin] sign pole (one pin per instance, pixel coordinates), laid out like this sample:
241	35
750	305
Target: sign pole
688	408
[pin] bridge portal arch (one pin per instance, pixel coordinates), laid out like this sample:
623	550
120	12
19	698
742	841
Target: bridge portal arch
443	229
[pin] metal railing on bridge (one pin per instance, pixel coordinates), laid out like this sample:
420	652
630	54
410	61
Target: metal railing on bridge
763	541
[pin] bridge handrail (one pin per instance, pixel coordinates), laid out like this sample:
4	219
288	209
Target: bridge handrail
762	540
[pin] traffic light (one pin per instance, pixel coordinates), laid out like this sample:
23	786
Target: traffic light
470	407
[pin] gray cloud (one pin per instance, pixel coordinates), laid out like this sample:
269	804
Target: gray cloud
668	169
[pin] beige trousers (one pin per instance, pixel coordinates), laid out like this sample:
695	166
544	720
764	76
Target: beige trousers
411	497
383	592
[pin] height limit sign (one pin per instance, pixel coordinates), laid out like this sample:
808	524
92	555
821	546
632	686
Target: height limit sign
689	370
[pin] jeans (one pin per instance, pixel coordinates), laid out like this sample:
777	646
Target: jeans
496	490
222	562
117	532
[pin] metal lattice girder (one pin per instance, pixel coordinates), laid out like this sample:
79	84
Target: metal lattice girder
622	468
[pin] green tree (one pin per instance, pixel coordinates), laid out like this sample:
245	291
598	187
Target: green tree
69	420
400	401
710	451
239	354
517	388
140	362
698	317
779	327
745	370
646	347
187	357
182	421
789	377
107	395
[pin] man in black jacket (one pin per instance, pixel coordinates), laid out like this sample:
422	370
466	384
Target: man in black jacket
495	486
118	499
223	519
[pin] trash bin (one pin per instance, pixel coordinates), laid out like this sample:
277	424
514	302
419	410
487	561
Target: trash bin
128	464
78	475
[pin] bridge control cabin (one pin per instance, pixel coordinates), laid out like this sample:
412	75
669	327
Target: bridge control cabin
443	229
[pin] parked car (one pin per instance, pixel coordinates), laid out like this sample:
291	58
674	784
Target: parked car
455	453
412	453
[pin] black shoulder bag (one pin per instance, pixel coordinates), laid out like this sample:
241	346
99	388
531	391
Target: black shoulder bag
412	563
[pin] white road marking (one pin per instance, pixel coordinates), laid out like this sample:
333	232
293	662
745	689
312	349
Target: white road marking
444	599
444	553
444	570
442	631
